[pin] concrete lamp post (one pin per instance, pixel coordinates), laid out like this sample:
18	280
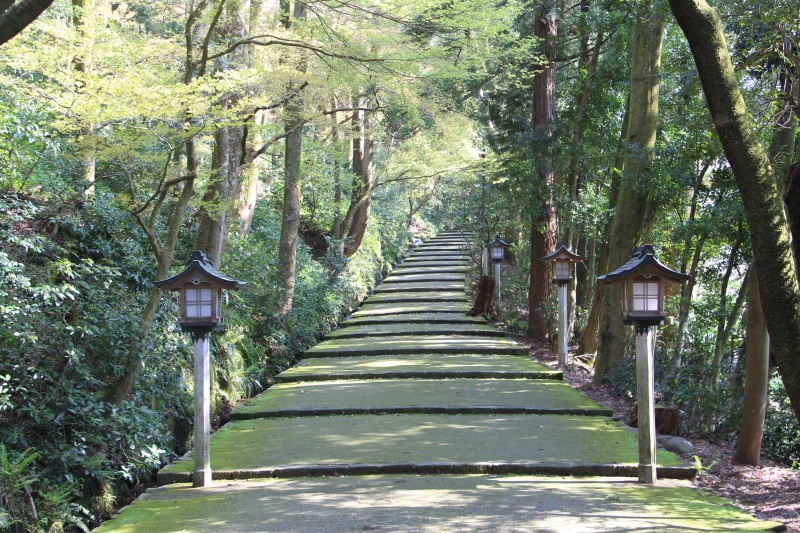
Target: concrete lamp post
644	280
201	286
497	252
562	261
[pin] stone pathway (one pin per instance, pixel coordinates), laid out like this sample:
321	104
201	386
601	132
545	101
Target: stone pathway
410	388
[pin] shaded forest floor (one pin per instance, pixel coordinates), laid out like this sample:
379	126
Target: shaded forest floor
770	491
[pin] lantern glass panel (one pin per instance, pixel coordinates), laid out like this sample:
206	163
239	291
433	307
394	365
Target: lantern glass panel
198	302
646	297
497	252
562	270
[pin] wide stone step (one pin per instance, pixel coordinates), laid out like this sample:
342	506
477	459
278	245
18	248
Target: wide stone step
430	259
415	269
370	309
418	328
428	277
406	396
420	286
422	443
440	247
423	366
437	253
418	297
416	318
440	344
432	504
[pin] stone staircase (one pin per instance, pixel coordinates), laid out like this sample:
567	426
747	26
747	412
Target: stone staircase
411	385
357	436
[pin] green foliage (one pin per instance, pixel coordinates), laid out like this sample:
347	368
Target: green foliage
781	428
700	468
29	502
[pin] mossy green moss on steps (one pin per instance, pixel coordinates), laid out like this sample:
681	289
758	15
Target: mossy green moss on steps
421	297
440	344
419	366
391	287
420	395
434	270
395	329
255	447
413	318
376	309
433	503
430	277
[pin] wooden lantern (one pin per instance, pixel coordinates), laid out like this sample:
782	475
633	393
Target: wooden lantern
562	261
200	286
644	281
497	249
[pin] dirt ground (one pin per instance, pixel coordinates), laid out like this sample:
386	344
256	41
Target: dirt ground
770	491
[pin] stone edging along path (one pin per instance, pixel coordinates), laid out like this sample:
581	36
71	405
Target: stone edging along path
410	385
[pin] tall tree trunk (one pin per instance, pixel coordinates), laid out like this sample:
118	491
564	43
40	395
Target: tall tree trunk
82	17
293	152
338	142
631	209
772	249
357	216
748	449
220	197
251	179
543	226
287	248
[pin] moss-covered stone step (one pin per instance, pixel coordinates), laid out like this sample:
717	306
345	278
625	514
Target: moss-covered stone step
400	277
514	443
422	366
414	269
438	344
433	503
392	287
370	309
414	328
403	396
446	259
418	297
413	318
438	253
440	247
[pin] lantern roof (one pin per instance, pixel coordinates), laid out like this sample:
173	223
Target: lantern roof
201	263
562	253
497	242
643	260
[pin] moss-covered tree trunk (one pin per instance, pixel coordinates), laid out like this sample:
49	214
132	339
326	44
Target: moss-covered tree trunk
543	226
769	230
631	207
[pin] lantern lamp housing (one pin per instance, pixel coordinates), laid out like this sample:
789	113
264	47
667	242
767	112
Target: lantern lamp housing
644	281
562	260
200	286
497	249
